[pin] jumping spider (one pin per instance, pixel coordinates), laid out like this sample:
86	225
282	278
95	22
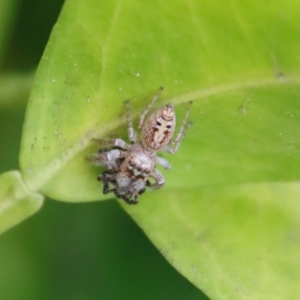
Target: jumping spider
128	167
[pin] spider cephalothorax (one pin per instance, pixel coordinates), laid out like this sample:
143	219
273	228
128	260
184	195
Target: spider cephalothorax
128	168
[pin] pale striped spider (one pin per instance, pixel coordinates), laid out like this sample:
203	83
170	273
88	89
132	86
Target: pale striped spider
128	167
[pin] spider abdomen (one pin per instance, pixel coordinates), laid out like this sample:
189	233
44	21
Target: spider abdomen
159	128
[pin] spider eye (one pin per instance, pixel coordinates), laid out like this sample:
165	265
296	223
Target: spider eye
158	123
168	126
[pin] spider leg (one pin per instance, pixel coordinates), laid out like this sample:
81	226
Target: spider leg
159	180
126	197
183	128
113	143
131	133
107	178
130	193
107	190
145	112
135	199
110	160
163	162
142	191
103	150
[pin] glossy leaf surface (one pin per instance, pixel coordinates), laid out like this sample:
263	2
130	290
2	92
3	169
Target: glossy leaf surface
239	63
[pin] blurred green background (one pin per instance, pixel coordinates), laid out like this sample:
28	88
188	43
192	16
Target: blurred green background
68	251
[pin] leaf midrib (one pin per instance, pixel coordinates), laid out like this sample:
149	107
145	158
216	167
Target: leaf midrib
42	176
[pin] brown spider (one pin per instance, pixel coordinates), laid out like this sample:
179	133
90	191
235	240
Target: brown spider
128	167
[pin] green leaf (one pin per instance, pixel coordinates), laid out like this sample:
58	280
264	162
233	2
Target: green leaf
234	242
239	62
16	202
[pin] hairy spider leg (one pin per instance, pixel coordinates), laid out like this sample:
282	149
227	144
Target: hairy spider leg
114	143
110	159
131	133
159	180
107	177
163	162
145	112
